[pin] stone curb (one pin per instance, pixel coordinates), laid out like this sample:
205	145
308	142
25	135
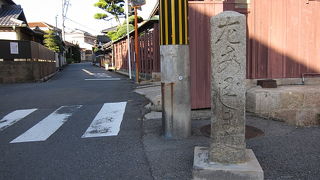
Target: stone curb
46	78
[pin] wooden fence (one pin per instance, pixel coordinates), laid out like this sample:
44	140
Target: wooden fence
25	61
149	52
25	50
283	40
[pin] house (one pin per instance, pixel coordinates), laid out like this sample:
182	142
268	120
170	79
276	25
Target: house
105	31
13	23
23	58
85	40
102	54
43	26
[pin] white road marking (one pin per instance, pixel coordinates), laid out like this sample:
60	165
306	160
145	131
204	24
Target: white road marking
102	75
88	72
107	122
45	128
14	117
98	75
105	79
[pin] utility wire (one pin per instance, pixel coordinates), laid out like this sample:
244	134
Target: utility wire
81	24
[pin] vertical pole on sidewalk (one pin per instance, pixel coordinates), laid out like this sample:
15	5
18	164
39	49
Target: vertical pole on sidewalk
175	68
136	43
128	39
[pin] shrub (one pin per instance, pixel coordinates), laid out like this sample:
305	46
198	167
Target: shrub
70	60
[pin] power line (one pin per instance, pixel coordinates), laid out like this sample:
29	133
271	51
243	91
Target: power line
81	24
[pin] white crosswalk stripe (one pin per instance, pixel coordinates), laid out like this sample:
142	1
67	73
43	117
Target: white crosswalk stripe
14	117
45	128
107	122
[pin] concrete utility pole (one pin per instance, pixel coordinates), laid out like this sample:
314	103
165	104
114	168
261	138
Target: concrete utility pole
175	70
65	5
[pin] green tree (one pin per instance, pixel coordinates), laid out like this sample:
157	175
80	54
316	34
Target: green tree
122	29
111	7
76	53
52	41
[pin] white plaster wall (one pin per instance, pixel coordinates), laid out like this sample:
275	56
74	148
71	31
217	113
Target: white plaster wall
8	35
78	39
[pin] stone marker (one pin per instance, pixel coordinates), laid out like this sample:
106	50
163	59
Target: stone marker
227	157
228	64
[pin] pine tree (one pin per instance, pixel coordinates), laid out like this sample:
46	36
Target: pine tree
122	29
111	7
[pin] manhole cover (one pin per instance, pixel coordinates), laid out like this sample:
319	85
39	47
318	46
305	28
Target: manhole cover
251	131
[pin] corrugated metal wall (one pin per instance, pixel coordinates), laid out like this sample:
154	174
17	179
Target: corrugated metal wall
283	40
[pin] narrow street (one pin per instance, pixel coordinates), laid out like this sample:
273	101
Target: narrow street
68	127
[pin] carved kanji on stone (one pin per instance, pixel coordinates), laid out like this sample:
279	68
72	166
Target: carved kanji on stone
228	43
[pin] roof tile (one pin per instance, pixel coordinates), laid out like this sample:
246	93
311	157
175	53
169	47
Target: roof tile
9	12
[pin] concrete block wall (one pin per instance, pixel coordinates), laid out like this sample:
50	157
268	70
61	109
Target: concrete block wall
296	105
18	71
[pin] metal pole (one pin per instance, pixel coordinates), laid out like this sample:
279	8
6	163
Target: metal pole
128	39
136	42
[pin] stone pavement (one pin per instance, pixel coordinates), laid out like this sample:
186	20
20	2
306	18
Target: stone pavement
284	151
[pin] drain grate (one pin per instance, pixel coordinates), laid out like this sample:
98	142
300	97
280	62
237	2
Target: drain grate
251	132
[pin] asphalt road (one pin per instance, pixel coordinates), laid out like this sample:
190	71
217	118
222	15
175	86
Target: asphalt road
65	154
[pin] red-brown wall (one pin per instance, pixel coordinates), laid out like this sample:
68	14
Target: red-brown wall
283	41
149	52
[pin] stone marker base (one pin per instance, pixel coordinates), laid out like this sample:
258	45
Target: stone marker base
203	170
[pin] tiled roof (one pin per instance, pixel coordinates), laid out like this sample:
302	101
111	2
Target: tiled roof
35	24
43	25
11	15
40	24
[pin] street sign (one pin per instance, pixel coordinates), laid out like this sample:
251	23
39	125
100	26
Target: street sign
137	3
